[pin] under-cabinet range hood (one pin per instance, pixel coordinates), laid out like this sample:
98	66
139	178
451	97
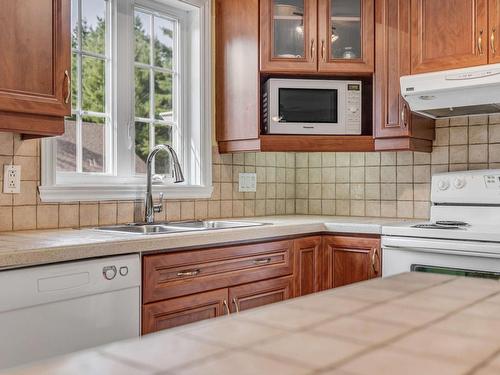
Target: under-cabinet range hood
450	93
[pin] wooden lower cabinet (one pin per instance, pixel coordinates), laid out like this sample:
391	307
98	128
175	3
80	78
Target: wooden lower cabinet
260	293
190	286
353	259
311	273
183	310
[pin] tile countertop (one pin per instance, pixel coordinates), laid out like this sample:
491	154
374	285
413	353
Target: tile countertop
27	248
412	323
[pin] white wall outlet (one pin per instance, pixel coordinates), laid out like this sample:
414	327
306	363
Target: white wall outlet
12	179
247	182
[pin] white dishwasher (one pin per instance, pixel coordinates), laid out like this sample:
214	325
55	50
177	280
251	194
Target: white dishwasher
60	308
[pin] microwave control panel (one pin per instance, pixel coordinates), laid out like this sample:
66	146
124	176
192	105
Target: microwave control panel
353	106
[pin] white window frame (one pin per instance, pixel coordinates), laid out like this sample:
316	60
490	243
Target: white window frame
122	183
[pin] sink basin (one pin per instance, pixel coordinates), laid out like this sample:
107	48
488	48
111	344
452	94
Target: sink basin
213	224
177	227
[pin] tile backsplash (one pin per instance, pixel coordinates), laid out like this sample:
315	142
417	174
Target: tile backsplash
388	184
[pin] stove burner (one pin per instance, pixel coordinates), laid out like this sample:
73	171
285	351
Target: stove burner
436	226
453	223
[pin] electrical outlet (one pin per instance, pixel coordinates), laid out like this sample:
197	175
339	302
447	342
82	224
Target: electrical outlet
12	179
247	182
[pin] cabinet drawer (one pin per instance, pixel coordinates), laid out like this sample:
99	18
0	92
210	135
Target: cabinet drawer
184	310
177	274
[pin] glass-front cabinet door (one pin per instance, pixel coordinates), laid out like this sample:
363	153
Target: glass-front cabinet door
288	35
346	30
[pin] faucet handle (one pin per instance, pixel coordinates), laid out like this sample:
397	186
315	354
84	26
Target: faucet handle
157	208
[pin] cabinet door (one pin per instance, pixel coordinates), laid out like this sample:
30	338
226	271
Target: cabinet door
35	57
346	36
494	28
354	258
288	31
178	311
393	119
309	267
249	296
448	34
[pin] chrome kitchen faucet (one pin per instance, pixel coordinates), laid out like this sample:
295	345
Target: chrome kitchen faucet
150	208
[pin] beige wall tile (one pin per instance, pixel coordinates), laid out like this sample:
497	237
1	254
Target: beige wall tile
442	137
24	218
315	160
108	213
357	208
440	155
89	214
478	134
387	174
201	210
69	215
388	192
328	207
6	144
226	208
458	154
314	206
459	135
405	192
478	153
238	208
47	216
28	194
372	159
342	174
405	209
357	159
404	158
5	219
373	208
422	173
30	167
388	158
372	191
343	159
343	207
214	209
26	147
187	210
388	208
404	174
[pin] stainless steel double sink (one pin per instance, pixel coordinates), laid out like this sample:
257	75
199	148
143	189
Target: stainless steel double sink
178	227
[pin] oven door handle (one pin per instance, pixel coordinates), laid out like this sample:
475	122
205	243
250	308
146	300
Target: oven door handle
439	250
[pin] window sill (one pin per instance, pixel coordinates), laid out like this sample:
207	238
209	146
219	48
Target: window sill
92	193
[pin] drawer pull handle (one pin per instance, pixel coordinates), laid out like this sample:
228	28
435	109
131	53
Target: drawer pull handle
226	306
68	87
188	273
235	301
261	261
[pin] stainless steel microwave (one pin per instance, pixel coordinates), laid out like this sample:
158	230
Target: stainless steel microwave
307	106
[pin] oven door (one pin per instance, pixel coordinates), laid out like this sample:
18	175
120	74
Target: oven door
403	254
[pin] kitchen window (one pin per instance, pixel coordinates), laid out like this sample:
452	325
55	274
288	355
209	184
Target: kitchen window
141	77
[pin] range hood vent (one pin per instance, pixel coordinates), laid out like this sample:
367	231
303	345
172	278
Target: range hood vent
452	93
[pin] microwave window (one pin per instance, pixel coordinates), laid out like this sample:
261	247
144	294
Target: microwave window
308	105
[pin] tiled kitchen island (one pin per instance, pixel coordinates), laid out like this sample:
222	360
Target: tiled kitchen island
412	323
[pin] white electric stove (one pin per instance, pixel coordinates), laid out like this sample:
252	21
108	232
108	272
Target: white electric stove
462	236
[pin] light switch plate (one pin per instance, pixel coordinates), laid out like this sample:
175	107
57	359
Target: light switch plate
12	179
247	182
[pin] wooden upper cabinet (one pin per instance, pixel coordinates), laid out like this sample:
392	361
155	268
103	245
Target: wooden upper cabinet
345	33
448	34
494	29
288	35
354	258
395	126
35	59
237	72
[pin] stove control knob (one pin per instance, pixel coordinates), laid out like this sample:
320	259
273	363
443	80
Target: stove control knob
443	185
459	183
109	272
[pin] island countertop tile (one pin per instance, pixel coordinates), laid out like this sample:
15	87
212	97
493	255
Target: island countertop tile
310	336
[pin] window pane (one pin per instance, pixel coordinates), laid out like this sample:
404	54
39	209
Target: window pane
74	81
163	96
141	146
94	26
74	24
142	27
141	93
163	135
93	85
66	147
164	42
93	144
